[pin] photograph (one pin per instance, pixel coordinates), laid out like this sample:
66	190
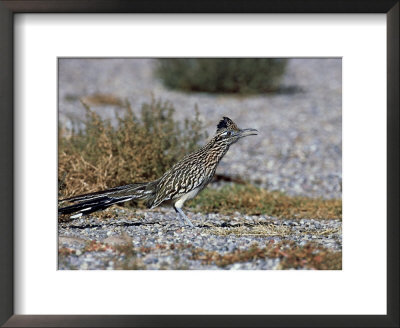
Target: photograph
199	163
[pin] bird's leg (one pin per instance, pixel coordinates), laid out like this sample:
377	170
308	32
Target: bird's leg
179	211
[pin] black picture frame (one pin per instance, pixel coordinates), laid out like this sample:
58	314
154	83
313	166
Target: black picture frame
11	7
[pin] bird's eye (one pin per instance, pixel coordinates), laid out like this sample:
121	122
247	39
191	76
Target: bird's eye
227	134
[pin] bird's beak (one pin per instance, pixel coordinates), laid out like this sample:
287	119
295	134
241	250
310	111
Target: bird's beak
247	132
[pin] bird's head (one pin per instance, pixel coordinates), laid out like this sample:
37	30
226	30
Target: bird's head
228	132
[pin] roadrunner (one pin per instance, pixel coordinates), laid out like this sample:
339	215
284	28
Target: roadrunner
182	182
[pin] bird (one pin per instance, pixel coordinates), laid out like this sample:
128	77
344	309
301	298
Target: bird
182	182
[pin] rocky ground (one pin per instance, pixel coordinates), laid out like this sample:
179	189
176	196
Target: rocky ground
161	241
298	151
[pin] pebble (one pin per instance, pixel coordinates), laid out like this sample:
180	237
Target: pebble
171	247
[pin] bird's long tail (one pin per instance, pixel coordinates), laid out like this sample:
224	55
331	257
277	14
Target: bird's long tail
89	203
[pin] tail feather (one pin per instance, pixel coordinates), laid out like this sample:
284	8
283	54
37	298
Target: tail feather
84	205
116	192
91	206
97	201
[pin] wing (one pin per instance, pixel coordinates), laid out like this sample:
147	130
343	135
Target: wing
180	180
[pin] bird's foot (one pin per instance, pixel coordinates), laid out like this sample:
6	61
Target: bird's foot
188	222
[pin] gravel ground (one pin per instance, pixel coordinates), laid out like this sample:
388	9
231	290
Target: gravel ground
299	149
161	241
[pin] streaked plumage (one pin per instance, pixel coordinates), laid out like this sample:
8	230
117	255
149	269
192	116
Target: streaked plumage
182	182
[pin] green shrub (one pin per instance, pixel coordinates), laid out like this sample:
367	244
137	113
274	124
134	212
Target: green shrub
222	75
139	149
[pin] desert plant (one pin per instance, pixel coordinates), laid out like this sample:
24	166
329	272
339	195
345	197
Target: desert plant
140	149
222	75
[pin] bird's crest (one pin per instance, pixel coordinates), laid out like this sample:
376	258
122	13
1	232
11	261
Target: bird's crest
226	124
